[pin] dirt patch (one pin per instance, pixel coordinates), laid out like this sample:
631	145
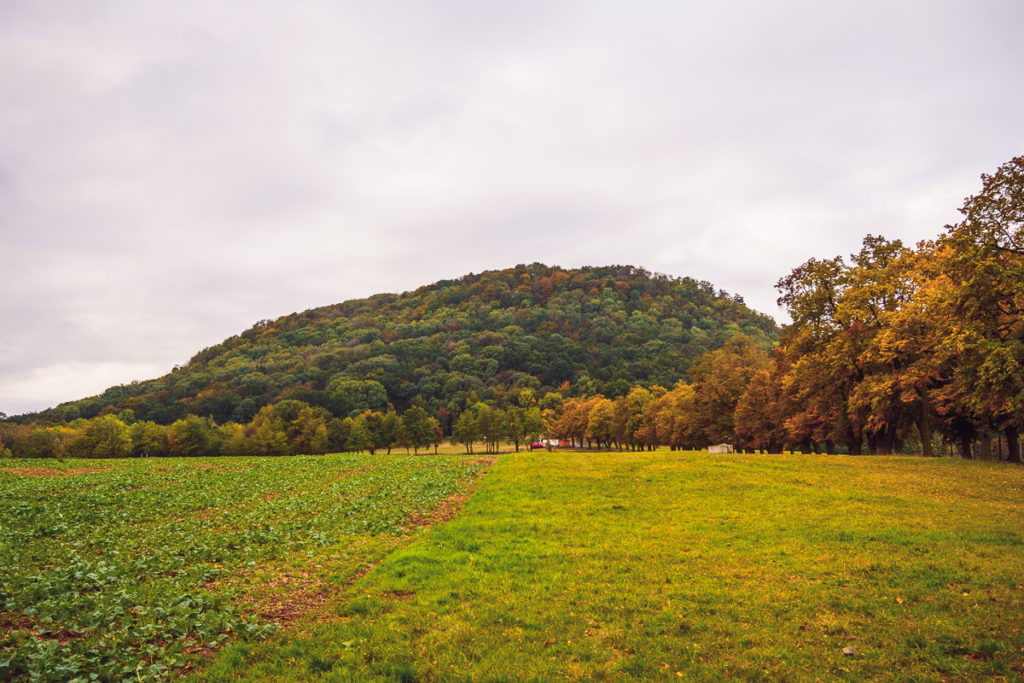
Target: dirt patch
51	471
12	622
9	622
288	596
450	506
445	511
207	513
404	596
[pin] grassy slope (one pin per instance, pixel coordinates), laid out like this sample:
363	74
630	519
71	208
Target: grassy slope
661	565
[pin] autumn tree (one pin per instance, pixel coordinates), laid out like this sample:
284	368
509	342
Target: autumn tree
987	265
600	421
758	418
818	364
719	380
884	401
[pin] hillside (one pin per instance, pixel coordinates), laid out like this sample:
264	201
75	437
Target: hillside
587	330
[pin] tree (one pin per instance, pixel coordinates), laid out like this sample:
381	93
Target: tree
149	439
493	425
106	437
392	431
757	419
878	287
524	424
266	434
347	397
816	371
466	430
635	404
987	263
367	431
338	434
43	442
234	441
600	422
194	436
418	428
719	380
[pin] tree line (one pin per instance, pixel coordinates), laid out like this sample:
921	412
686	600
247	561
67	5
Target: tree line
896	349
288	427
900	344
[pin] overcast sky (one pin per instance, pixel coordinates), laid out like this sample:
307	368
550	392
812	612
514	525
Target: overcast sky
172	172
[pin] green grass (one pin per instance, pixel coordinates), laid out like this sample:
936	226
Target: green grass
122	569
667	566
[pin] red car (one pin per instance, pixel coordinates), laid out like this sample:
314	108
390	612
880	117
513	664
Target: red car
536	444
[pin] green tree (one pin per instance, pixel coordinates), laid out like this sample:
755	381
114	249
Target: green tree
392	431
149	439
42	442
338	434
418	428
524	424
106	437
367	431
347	397
194	436
466	430
492	424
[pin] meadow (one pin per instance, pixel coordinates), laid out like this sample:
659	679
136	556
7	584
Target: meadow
660	565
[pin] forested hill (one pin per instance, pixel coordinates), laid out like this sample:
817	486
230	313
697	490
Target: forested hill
446	345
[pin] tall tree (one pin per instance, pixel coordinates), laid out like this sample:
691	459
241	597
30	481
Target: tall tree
987	264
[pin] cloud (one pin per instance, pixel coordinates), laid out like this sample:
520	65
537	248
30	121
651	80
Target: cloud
170	174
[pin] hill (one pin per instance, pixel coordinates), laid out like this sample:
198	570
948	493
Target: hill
446	345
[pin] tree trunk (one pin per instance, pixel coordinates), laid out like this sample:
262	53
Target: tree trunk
924	429
1012	444
965	447
830	447
985	438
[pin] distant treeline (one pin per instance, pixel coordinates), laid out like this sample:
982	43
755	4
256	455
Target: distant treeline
450	345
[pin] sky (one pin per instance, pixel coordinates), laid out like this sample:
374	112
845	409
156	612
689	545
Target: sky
172	172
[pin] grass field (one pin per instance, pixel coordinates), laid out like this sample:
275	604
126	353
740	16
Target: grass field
579	565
